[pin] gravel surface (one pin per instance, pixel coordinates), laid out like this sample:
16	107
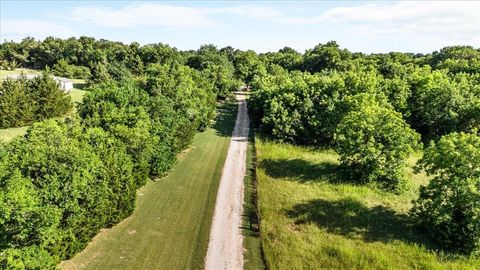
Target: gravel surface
225	249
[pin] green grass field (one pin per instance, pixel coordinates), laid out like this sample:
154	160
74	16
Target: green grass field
311	220
170	226
7	134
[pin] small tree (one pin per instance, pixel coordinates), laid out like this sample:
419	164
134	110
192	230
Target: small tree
373	143
449	207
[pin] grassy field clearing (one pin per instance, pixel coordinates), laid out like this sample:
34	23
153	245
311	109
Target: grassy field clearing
8	134
170	226
311	220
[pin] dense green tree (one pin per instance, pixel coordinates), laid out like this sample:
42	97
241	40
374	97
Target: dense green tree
50	99
69	184
325	56
457	59
437	103
374	143
23	101
17	103
449	206
30	257
248	65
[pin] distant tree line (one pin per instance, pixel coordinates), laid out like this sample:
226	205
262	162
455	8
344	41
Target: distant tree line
375	110
100	60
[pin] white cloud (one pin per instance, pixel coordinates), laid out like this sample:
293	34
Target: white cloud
166	15
13	29
255	12
450	21
455	19
144	15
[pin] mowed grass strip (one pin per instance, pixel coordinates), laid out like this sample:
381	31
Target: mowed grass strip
170	226
311	219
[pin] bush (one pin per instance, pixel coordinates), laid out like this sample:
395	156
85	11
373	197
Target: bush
27	258
63	69
449	207
373	143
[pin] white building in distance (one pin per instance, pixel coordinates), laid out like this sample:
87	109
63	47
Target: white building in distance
64	83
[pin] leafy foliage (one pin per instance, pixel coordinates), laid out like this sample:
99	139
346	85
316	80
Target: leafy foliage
68	178
23	101
449	206
374	143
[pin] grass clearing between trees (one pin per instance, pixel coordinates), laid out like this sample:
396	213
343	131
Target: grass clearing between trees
310	219
7	134
170	226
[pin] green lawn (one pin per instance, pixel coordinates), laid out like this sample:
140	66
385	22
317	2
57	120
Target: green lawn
170	226
310	219
77	96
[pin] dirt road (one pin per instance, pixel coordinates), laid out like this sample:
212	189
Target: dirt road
225	249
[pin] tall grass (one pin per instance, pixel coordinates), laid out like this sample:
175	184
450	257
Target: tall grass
311	219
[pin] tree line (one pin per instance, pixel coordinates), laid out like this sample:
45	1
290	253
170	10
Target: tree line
376	110
67	178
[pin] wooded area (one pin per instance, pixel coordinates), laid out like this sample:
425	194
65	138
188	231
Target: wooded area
68	178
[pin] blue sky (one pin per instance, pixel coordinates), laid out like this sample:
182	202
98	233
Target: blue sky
367	26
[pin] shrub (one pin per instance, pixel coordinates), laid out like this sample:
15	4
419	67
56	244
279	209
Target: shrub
449	206
31	257
62	68
373	143
69	200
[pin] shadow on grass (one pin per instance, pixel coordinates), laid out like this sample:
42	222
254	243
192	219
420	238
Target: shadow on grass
301	169
351	218
225	122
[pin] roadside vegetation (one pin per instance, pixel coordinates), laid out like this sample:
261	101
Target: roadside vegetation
68	178
344	197
171	221
313	218
375	111
253	255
